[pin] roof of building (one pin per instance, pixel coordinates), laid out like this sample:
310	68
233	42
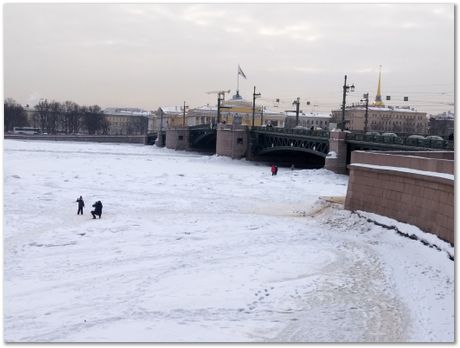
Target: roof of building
126	112
206	107
173	110
386	108
444	116
309	114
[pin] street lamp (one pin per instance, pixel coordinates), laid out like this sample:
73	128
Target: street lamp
297	108
366	99
254	96
346	89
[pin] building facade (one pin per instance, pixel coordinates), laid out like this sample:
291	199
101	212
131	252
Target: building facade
442	124
168	117
312	120
236	111
127	121
383	119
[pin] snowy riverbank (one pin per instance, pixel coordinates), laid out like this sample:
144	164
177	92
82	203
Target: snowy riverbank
203	248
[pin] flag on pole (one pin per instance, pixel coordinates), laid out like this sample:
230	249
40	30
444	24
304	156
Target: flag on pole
240	72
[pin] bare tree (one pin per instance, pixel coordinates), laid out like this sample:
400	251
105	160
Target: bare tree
105	126
137	125
55	117
43	109
93	119
14	115
72	116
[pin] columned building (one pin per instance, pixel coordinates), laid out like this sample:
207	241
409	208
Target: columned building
205	114
236	111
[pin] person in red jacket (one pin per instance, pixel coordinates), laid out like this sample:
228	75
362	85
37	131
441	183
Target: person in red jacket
274	169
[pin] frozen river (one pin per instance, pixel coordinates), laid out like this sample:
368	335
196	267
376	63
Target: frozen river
203	248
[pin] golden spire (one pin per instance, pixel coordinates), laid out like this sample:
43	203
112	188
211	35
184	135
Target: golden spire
378	97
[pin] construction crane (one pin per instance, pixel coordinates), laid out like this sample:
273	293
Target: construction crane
219	93
220	98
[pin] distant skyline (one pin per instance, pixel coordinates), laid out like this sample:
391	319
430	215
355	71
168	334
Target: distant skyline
148	55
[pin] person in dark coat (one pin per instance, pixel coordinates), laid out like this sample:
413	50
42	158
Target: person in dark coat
81	204
97	209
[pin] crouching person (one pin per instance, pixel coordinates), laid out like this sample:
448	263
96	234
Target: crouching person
97	209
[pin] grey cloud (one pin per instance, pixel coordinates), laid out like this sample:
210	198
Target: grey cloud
152	54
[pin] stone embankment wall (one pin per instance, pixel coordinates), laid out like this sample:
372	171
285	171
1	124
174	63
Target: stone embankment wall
415	188
136	139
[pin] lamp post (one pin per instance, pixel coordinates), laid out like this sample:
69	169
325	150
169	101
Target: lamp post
297	108
183	117
366	115
254	96
160	143
346	88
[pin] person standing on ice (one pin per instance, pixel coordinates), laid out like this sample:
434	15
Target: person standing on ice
81	204
274	169
97	209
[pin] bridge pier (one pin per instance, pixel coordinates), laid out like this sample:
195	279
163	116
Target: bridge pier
232	141
177	138
336	159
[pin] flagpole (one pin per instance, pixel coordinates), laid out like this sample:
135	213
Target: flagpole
238	81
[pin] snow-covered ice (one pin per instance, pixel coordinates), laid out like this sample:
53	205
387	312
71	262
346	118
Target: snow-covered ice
195	248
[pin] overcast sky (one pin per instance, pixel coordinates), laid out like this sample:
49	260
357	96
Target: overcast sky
147	55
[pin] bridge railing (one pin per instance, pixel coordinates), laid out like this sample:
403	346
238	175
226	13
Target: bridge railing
293	131
201	126
406	141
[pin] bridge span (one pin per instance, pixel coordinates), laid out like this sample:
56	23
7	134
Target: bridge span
307	147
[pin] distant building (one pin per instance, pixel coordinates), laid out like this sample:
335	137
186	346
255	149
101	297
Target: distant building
383	119
168	117
239	111
442	124
205	114
235	111
308	120
127	121
380	118
273	117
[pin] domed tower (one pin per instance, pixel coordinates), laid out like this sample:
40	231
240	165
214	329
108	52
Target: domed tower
378	97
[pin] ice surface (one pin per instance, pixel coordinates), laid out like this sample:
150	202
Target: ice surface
194	248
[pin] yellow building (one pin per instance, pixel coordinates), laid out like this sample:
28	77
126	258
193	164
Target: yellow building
235	111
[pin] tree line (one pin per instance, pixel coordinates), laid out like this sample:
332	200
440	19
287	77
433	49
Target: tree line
53	117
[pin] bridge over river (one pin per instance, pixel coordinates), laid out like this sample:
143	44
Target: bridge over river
301	146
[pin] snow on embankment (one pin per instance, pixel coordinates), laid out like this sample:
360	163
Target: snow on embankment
419	266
